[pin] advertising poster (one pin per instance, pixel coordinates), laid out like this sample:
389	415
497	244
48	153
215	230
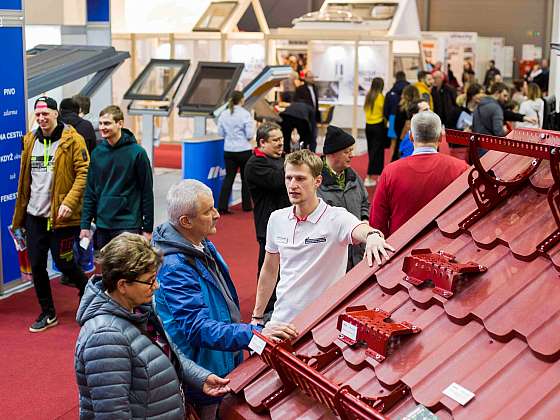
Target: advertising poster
12	129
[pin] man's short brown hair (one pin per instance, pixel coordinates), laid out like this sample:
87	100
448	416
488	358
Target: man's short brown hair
498	88
114	111
127	257
305	157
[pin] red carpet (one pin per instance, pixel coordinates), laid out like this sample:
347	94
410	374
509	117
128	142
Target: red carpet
37	370
167	155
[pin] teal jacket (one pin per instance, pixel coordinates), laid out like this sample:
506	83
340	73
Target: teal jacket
119	190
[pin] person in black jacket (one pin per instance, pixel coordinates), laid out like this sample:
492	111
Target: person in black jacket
264	174
299	116
69	110
308	94
444	99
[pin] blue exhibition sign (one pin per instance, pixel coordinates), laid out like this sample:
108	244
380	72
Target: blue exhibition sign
98	11
12	128
10	4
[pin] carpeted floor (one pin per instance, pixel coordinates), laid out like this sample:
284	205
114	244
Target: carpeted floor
36	370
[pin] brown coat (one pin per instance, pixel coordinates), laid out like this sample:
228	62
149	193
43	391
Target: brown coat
71	165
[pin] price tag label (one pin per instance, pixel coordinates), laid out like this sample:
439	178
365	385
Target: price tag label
257	344
458	393
420	413
349	330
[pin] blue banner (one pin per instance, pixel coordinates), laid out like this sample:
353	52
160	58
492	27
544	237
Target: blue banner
12	129
204	161
10	4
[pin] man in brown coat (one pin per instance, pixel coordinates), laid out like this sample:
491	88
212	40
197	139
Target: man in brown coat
54	166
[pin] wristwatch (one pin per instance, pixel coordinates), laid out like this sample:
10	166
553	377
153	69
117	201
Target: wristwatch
377	232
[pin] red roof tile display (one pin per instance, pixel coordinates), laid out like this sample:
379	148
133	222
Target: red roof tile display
497	335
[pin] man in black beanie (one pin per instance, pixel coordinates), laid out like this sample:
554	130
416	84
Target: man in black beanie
342	186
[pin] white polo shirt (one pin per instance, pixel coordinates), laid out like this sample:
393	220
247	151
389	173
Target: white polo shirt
313	254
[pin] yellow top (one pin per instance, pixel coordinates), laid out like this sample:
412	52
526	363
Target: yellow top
374	114
425	93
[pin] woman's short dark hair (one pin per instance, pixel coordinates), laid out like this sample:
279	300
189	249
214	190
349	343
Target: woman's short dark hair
127	257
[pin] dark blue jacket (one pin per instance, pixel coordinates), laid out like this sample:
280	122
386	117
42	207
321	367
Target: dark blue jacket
193	309
121	373
392	99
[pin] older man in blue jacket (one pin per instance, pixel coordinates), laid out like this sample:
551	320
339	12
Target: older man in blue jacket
197	301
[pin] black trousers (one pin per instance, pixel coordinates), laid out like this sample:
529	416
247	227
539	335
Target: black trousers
104	236
235	161
60	242
306	135
375	135
272	301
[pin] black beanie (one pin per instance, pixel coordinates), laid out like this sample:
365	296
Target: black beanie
336	140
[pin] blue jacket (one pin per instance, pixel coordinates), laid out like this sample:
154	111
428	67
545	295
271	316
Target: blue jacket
192	308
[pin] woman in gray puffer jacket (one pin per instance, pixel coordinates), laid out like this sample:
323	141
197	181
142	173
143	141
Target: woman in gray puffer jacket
125	367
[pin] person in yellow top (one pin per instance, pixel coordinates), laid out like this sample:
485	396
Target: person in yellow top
424	85
376	131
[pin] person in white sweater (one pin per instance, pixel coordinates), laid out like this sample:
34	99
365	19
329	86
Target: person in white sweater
532	107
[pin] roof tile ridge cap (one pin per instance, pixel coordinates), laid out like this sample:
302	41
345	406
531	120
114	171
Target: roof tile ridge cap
245	373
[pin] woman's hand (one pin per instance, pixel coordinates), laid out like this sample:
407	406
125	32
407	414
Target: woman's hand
216	386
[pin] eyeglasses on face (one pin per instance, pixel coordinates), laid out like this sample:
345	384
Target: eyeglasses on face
150	282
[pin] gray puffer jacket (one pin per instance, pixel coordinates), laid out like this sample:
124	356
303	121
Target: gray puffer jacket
121	373
353	197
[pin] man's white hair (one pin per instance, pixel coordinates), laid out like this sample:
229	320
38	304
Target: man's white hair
182	199
426	127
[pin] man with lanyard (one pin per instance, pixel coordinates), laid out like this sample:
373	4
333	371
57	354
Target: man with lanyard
342	186
54	166
308	243
407	185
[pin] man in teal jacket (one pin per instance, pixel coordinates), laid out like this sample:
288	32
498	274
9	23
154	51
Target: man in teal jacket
119	193
196	300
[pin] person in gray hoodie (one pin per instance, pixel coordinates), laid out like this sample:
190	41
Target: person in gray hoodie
488	117
341	185
125	366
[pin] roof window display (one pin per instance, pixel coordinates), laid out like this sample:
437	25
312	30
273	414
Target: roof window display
157	79
216	16
155	88
210	86
51	66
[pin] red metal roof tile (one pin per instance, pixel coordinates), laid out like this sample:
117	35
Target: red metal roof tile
497	336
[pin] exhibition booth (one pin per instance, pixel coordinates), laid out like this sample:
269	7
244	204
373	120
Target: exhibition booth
345	45
458	48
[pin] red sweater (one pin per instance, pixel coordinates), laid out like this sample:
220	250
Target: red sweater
407	185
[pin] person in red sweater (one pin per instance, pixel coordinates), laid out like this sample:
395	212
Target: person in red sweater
407	185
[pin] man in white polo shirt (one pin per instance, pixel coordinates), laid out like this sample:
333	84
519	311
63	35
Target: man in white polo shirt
308	242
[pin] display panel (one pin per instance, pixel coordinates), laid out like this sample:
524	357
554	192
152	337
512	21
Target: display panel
157	79
210	86
215	17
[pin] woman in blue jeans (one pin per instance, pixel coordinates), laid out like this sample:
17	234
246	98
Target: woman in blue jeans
237	127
